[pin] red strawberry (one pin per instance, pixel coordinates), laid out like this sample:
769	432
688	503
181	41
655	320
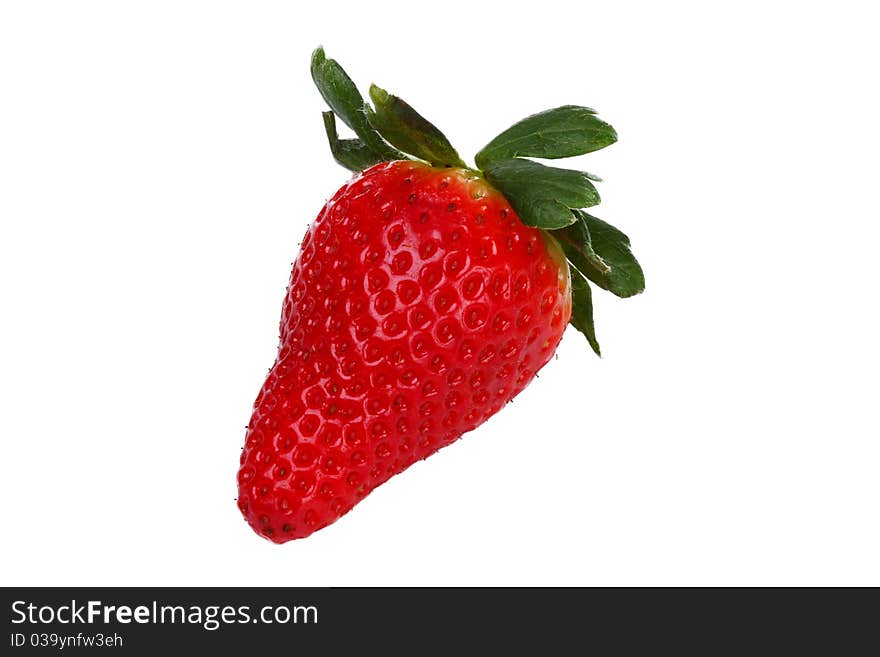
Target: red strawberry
421	302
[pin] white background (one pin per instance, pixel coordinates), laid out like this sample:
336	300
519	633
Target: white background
159	163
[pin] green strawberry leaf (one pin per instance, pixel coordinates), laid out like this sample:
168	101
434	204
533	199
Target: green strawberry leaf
582	308
602	253
346	101
353	154
578	246
409	131
542	196
562	132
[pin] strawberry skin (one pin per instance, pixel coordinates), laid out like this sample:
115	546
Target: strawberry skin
419	305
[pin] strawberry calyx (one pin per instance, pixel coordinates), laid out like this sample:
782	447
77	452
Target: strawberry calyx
548	198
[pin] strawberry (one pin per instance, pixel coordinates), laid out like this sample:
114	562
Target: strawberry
426	295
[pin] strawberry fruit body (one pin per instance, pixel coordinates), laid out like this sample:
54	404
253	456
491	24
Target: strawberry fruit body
421	303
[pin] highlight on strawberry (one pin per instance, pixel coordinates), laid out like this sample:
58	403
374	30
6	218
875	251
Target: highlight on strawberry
426	295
